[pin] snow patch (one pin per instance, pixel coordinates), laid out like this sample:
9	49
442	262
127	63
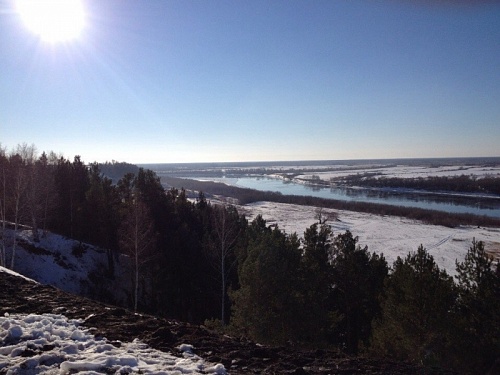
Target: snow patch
10	272
50	344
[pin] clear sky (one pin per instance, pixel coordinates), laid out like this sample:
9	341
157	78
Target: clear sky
193	81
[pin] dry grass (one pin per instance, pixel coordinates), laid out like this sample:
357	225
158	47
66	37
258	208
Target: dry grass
493	249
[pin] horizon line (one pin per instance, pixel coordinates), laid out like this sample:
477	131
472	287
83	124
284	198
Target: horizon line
323	160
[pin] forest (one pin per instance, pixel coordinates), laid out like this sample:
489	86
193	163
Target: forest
206	264
458	184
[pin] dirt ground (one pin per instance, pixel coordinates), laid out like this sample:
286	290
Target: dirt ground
239	356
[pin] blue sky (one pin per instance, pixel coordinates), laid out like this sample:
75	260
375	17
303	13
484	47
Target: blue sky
193	81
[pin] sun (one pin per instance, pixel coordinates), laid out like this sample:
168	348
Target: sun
53	21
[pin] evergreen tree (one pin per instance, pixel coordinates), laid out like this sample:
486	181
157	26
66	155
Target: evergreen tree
317	282
357	282
125	187
101	210
72	183
477	329
184	260
201	201
267	307
44	178
102	213
416	311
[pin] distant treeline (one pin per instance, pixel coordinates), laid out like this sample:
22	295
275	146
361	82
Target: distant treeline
116	170
456	184
245	196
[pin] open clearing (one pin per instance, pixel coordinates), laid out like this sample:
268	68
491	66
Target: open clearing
390	235
408	171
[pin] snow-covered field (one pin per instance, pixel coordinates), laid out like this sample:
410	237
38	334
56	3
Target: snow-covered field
53	344
408	171
390	235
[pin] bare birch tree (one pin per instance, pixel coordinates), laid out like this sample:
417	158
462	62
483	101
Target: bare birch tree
19	178
3	203
137	239
33	187
221	246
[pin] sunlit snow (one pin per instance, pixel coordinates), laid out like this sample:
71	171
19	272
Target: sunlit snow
391	235
408	171
53	344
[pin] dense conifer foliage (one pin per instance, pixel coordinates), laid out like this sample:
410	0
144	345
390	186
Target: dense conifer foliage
267	305
477	310
459	184
115	170
199	262
358	279
416	310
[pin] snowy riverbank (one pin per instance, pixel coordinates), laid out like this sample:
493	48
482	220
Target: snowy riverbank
393	236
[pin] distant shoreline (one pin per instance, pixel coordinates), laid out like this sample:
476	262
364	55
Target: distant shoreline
495	160
246	196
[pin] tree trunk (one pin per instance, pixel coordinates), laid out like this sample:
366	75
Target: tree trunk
14	244
223	298
136	286
3	207
34	221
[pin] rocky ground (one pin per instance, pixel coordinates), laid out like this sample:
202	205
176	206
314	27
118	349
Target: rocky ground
239	356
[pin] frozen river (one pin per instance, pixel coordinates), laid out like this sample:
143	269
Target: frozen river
489	206
287	177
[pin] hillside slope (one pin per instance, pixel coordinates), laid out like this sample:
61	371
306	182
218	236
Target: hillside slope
239	356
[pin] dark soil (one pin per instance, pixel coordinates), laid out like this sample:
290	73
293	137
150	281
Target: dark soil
239	356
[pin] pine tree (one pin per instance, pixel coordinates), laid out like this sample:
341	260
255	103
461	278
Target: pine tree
416	311
45	172
357	282
477	326
267	307
72	184
317	282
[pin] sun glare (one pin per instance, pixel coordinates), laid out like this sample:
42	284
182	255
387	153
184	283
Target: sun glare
53	20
